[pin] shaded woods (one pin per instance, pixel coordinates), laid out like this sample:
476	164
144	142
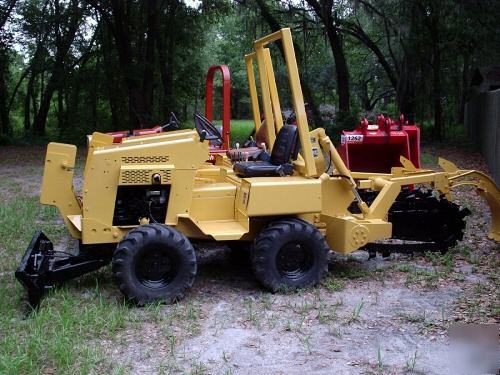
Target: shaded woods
69	67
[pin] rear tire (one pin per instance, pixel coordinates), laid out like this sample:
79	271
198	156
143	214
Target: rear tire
289	254
154	262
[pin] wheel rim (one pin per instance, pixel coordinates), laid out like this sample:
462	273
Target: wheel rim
294	260
156	268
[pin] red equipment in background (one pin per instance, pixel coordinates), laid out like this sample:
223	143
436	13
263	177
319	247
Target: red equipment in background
117	136
226	104
377	147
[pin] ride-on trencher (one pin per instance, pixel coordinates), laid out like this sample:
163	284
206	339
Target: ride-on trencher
148	201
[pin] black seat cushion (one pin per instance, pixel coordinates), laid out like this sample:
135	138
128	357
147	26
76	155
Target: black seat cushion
285	148
262	169
284	145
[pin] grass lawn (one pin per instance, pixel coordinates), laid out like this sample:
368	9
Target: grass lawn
59	335
241	130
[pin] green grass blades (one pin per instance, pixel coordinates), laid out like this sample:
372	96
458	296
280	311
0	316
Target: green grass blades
60	335
241	130
20	217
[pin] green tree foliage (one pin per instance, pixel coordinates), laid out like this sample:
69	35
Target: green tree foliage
70	67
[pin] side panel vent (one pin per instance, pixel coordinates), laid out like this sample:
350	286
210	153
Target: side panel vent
143	176
145	159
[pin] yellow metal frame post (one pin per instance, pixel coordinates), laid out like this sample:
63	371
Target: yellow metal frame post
253	89
285	36
266	95
273	89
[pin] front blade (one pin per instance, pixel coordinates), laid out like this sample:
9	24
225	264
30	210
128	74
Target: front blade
34	265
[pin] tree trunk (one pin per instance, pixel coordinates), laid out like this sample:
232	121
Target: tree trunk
364	98
436	83
73	105
166	75
94	98
463	88
7	8
433	25
4	115
27	102
149	60
63	44
111	84
342	74
60	109
235	94
405	91
43	111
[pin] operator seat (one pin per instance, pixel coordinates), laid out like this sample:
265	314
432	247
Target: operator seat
285	150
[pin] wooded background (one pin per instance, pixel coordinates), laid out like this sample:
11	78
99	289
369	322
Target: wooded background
69	67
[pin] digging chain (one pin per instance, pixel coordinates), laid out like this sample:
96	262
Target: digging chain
421	220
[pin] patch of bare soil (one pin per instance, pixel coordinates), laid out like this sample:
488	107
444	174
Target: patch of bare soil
21	170
375	323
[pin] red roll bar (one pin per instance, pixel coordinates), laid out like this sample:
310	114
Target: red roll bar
226	101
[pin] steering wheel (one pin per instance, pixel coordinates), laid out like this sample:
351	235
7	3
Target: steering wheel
173	123
207	130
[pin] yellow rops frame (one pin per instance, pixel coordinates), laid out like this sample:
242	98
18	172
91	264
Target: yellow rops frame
269	92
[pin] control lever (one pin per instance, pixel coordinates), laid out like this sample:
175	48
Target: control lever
173	122
203	135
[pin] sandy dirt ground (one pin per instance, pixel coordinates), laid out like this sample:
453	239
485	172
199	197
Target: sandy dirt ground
384	315
378	322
